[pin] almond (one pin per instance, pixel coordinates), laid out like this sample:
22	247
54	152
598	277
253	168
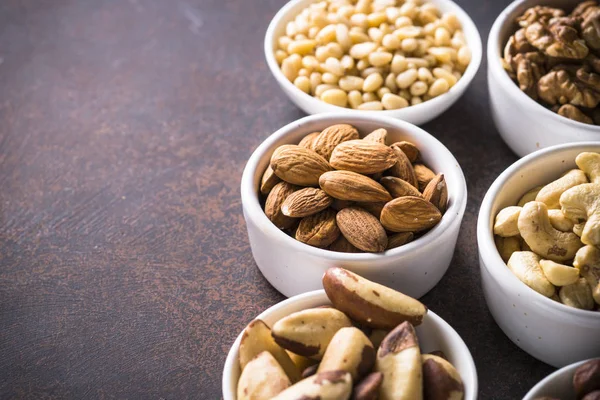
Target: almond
411	151
398	187
409	214
436	192
374	208
305	202
331	136
377	136
399	239
273	205
363	157
308	140
268	181
347	185
340	204
342	245
319	230
297	165
424	175
403	169
362	229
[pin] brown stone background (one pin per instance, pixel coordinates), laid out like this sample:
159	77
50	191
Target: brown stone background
125	270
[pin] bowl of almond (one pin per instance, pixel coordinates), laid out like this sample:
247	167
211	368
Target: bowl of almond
345	342
373	194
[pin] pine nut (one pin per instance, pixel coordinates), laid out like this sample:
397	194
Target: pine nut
393	102
464	56
372	82
409	10
406	78
418	88
417	62
442	37
362	65
315	80
302	83
391	42
369	97
326	34
383	90
425	75
438	87
320	89
443	74
304	72
390	82
280	55
375	34
333	65
328	77
362	50
310	62
302	47
358	37
290	66
376	19
408	32
380	58
402	21
399	64
355	98
343	37
349	83
415	100
371	106
409	45
405	94
337	97
359	20
284	42
392	14
347	62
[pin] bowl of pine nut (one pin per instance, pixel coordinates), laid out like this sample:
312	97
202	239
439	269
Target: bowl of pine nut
409	60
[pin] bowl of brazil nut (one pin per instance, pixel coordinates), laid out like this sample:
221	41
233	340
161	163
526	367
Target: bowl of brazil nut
544	86
354	338
376	195
404	59
538	234
580	380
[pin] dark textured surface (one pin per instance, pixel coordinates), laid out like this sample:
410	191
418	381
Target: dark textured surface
125	270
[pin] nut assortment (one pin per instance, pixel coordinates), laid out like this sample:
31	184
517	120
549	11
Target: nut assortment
362	347
339	192
553	57
373	54
551	239
586	382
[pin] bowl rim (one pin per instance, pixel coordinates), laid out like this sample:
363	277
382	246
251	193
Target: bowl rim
494	54
488	251
250	197
550	377
320	294
474	44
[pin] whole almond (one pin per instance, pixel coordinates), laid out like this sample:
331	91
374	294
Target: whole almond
297	165
342	245
399	239
268	181
347	185
362	229
398	187
374	208
409	214
273	204
377	136
308	140
436	192
424	175
411	151
331	136
319	230
403	168
362	156
305	202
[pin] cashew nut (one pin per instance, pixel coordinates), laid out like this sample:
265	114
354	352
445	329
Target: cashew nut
529	196
550	194
542	238
559	274
587	261
582	203
507	246
526	266
578	295
578	228
559	221
506	222
590	164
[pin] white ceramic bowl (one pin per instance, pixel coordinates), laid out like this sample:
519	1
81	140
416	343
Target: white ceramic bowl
548	330
418	114
434	334
558	384
525	125
293	267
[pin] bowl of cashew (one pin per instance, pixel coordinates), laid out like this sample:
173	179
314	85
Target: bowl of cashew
538	235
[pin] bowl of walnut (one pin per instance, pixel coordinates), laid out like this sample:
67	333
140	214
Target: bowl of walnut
375	195
544	73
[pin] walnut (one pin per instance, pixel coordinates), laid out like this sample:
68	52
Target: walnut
541	14
574	113
557	40
558	87
590	28
528	67
583	7
516	44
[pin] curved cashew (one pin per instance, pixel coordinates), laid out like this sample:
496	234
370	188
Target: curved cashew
587	261
582	203
529	196
550	194
578	295
578	229
506	222
590	164
542	238
526	266
507	245
559	221
559	274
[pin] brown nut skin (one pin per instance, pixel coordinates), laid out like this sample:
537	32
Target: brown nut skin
332	385
441	381
349	350
587	378
262	379
369	303
368	388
